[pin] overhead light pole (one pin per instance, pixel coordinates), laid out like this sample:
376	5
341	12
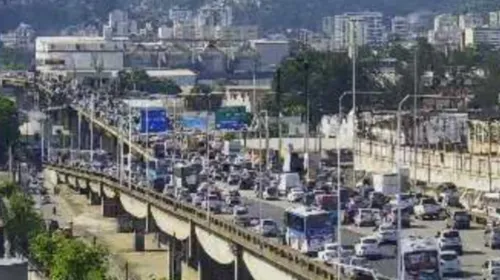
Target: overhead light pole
339	173
399	166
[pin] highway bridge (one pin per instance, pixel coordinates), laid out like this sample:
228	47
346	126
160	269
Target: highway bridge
433	166
242	254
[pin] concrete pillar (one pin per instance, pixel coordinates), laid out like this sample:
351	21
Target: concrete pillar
83	191
93	198
201	274
172	258
110	207
149	223
139	241
238	262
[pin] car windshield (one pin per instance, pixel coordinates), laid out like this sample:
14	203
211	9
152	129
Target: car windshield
358	262
429	201
451	234
448	257
268	223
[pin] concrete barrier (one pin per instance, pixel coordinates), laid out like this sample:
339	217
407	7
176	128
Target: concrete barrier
279	256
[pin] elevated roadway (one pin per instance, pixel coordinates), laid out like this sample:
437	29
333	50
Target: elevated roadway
238	248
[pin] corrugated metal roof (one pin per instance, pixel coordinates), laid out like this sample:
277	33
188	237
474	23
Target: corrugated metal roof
145	103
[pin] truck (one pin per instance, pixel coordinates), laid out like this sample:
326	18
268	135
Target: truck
232	147
385	183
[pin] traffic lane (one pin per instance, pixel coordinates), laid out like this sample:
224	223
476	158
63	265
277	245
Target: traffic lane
475	254
274	210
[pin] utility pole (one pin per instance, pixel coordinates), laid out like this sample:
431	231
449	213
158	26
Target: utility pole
415	109
278	103
306	136
353	23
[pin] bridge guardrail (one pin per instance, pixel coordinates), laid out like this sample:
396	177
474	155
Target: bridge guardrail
283	257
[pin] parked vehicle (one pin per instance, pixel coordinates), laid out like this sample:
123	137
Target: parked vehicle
458	219
450	240
450	264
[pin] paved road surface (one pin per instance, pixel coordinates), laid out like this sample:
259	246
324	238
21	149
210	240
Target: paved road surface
475	254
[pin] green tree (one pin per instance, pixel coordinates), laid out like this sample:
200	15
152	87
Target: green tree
43	248
328	74
171	88
7	189
74	260
9	122
23	221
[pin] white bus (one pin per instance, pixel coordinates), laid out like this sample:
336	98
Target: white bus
308	229
420	258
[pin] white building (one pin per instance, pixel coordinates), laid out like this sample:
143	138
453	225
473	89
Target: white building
445	22
482	35
400	27
270	53
446	32
367	27
78	55
177	14
182	77
237	33
165	32
470	20
22	37
117	16
494	19
215	15
184	31
328	26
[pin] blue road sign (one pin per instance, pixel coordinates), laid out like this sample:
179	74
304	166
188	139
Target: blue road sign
154	120
196	123
231	118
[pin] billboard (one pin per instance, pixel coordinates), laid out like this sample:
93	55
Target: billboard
154	120
232	118
194	123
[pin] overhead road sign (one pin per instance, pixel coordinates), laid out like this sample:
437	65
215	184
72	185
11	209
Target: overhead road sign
154	120
194	123
232	118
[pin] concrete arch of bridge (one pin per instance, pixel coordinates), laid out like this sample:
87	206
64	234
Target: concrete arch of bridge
170	225
109	193
261	270
134	207
217	248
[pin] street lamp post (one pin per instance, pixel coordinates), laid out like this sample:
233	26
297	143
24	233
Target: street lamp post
337	143
92	127
398	166
207	151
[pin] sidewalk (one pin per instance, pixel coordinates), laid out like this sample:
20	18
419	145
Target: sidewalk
89	224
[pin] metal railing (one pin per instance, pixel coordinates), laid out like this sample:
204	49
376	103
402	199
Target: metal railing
280	256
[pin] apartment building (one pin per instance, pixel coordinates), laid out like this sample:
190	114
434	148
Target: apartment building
367	28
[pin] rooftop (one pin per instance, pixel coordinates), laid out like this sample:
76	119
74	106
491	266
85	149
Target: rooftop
73	39
145	103
157	73
306	211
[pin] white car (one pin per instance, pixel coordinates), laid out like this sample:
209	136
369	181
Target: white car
387	234
407	201
491	269
367	217
428	208
368	247
345	251
267	228
450	240
356	262
450	264
295	195
327	256
212	203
